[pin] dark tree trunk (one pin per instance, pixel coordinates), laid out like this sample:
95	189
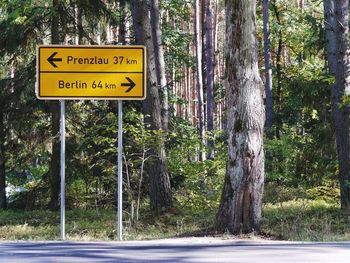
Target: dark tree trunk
209	74
3	201
199	75
79	24
278	72
160	62
122	22
340	89
241	201
55	128
160	188
268	72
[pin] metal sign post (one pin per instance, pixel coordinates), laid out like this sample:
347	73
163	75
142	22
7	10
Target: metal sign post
120	170
63	166
91	72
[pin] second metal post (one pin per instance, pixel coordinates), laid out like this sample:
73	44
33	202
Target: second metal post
63	165
120	170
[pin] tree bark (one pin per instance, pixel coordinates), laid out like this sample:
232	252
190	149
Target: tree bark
330	27
122	22
278	71
340	89
209	74
55	127
3	200
268	71
241	201
199	67
160	188
160	62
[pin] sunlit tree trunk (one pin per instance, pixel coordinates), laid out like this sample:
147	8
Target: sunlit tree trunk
160	189
241	201
330	26
160	63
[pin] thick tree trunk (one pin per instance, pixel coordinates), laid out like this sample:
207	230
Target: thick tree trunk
241	201
268	71
160	62
341	89
160	188
199	75
3	201
209	74
55	128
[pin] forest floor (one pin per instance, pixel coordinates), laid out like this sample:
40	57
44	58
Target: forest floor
296	220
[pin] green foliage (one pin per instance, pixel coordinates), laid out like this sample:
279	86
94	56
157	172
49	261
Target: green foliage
328	192
202	188
278	192
302	32
304	153
20	22
198	184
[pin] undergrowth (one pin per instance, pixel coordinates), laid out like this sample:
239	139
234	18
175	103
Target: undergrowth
297	220
306	220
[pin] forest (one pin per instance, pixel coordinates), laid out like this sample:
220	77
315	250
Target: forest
245	128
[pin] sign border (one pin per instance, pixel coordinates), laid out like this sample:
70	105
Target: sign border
144	74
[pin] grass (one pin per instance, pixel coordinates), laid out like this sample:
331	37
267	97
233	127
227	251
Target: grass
306	220
298	220
93	225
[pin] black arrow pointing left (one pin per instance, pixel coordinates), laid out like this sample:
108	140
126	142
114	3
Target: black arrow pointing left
52	59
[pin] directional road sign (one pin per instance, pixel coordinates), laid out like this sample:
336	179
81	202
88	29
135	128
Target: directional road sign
91	72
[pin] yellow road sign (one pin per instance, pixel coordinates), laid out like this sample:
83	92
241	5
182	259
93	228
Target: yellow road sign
91	72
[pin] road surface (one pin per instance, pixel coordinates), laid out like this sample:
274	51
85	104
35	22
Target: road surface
174	250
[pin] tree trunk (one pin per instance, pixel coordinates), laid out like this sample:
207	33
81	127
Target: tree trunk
340	89
330	27
160	62
55	128
160	189
3	201
278	72
122	22
210	74
78	15
198	34
241	201
80	25
268	71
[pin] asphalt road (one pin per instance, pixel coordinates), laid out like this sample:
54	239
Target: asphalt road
175	250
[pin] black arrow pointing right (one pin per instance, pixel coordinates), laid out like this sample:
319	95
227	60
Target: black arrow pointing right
52	59
131	84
